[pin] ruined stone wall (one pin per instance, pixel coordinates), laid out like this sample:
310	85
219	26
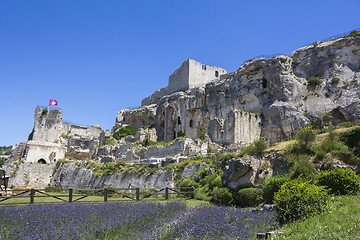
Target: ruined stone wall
42	151
32	174
179	80
191	74
200	74
47	125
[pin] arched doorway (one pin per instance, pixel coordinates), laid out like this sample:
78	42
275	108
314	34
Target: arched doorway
42	161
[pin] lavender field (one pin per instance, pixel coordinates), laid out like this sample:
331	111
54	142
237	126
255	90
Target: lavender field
131	220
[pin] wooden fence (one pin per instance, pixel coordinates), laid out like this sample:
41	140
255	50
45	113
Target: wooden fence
32	196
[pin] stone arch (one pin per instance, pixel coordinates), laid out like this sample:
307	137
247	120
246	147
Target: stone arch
191	124
216	73
41	161
338	116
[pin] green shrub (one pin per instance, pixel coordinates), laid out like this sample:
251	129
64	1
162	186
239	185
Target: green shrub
110	141
202	134
305	135
348	124
335	80
319	153
222	196
187	183
180	134
313	81
202	173
324	119
298	200
211	181
44	111
339	181
354	33
299	148
352	139
203	193
272	186
147	142
332	144
249	197
125	131
258	147
303	167
220	160
216	182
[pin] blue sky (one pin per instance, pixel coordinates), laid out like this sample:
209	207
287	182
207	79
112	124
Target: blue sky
98	57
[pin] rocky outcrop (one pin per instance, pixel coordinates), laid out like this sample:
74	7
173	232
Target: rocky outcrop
139	118
264	97
136	151
47	125
241	173
70	176
275	90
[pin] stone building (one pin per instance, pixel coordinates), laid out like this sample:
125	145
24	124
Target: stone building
191	74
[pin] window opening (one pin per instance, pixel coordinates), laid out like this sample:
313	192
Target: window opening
264	83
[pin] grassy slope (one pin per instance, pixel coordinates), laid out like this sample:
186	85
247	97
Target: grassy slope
281	146
341	221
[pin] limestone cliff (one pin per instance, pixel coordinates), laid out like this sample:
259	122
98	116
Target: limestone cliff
272	98
264	97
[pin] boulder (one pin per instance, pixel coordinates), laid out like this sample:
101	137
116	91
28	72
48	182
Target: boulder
241	173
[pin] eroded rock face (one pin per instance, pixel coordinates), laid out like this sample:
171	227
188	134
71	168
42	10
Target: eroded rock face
69	176
139	118
241	173
28	174
264	97
275	90
47	125
134	152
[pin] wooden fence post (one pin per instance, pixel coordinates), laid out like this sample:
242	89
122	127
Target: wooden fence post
137	194
32	195
70	194
105	194
166	193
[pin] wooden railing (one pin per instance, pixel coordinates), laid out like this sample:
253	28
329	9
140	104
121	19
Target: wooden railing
32	196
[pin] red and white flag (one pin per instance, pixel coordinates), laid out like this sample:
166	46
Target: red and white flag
53	102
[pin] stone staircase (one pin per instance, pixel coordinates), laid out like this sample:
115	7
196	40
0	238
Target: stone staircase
19	152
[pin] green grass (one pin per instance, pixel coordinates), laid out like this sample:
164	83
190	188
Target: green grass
340	221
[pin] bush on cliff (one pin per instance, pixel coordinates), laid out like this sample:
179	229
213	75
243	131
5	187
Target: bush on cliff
257	148
314	81
125	131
